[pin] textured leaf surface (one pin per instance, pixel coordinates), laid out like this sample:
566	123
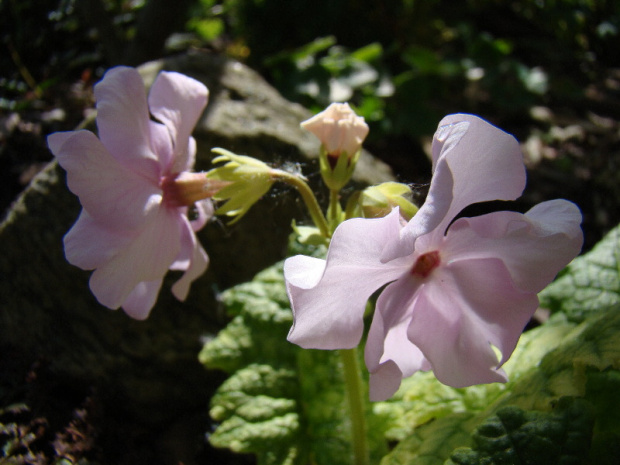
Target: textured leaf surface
590	283
287	405
584	365
517	437
433	443
422	398
282	403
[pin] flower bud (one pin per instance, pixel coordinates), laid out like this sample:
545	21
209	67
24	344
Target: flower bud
378	201
247	178
341	133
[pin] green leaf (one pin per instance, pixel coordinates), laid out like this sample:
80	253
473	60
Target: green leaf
590	283
595	344
433	443
284	404
256	414
514	436
368	53
422	398
207	28
602	390
583	362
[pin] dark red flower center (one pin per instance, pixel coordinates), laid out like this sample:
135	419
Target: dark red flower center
425	264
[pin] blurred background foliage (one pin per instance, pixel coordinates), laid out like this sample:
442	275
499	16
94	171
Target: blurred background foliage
402	63
547	71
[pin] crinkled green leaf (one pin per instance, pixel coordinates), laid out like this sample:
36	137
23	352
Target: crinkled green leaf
594	344
583	365
602	390
284	404
517	437
434	442
287	405
422	398
261	314
591	282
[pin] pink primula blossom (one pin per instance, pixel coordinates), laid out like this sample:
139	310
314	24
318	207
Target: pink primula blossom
454	288
132	228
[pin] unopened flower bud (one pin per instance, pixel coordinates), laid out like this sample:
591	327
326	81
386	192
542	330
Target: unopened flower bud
247	180
341	133
378	201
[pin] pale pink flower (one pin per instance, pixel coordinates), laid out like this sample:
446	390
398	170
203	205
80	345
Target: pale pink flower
133	226
454	289
339	129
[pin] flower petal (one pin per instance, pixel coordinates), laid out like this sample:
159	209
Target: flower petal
534	247
123	120
113	195
146	258
389	354
89	245
460	312
178	101
141	300
162	146
204	212
473	161
329	297
384	381
192	258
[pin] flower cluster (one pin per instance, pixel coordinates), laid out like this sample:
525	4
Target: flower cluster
456	287
136	190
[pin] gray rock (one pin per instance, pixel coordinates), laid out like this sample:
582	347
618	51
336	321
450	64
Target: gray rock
148	371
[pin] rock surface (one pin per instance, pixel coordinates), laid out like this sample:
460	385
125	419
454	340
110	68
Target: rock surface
147	373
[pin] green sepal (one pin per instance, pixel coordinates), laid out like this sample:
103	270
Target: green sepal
337	177
249	180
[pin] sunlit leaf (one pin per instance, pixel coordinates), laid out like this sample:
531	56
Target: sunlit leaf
284	404
590	283
584	365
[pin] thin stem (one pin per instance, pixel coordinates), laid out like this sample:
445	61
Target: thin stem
355	394
308	197
351	367
26	76
335	210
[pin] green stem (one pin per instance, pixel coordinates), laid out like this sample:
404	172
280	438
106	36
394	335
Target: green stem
356	396
335	210
308	197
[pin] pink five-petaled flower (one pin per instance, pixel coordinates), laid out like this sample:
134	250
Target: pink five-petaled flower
134	227
454	289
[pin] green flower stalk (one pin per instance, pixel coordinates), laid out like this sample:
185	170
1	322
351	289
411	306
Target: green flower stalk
248	179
